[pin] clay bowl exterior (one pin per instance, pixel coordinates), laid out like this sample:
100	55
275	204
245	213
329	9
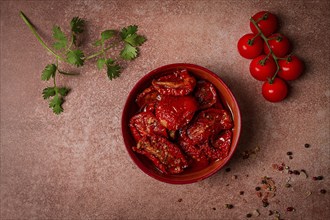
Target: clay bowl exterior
131	108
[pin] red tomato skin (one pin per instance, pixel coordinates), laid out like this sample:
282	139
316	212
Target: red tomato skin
174	112
262	72
145	124
275	92
267	26
179	83
250	51
280	47
206	94
219	146
165	155
207	123
290	69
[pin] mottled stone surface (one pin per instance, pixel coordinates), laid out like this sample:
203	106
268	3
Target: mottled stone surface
74	166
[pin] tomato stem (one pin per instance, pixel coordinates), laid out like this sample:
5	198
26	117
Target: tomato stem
270	49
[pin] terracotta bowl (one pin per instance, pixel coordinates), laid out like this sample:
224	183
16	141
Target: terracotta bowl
131	108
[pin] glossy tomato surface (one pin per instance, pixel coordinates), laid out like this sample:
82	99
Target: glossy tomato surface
266	21
262	68
290	68
275	91
249	46
202	169
279	44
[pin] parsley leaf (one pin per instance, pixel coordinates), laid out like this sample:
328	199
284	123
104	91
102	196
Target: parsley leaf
59	36
135	40
75	57
56	104
63	91
48	72
129	52
48	92
126	31
77	25
107	34
113	70
100	63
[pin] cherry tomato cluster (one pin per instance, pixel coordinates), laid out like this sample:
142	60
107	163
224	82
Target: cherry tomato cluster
272	61
181	123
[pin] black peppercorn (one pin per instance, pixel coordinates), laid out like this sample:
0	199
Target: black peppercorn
249	215
307	145
258	188
289	153
323	191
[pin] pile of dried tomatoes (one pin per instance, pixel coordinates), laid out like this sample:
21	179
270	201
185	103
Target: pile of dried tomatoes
181	123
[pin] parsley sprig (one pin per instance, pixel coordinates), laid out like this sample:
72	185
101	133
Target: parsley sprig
66	49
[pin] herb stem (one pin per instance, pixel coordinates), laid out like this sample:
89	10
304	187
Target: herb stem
33	30
270	49
100	52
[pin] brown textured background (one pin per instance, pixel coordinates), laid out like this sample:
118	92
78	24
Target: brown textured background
74	166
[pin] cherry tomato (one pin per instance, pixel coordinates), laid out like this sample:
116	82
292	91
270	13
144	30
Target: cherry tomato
261	69
279	44
250	47
165	155
290	68
179	83
266	21
275	91
174	112
145	124
206	94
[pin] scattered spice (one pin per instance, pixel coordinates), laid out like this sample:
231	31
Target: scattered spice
234	177
287	185
249	215
323	191
259	194
289	153
214	208
308	193
229	206
317	177
290	209
246	154
307	145
270	212
296	172
290	157
256	212
258	188
227	169
265	204
303	172
277	215
180	200
241	192
290	172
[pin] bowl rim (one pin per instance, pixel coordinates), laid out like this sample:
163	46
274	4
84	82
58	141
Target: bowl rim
124	125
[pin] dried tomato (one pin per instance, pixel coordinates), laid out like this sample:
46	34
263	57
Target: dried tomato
219	146
174	112
188	146
148	98
166	156
145	124
207	123
179	83
206	94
